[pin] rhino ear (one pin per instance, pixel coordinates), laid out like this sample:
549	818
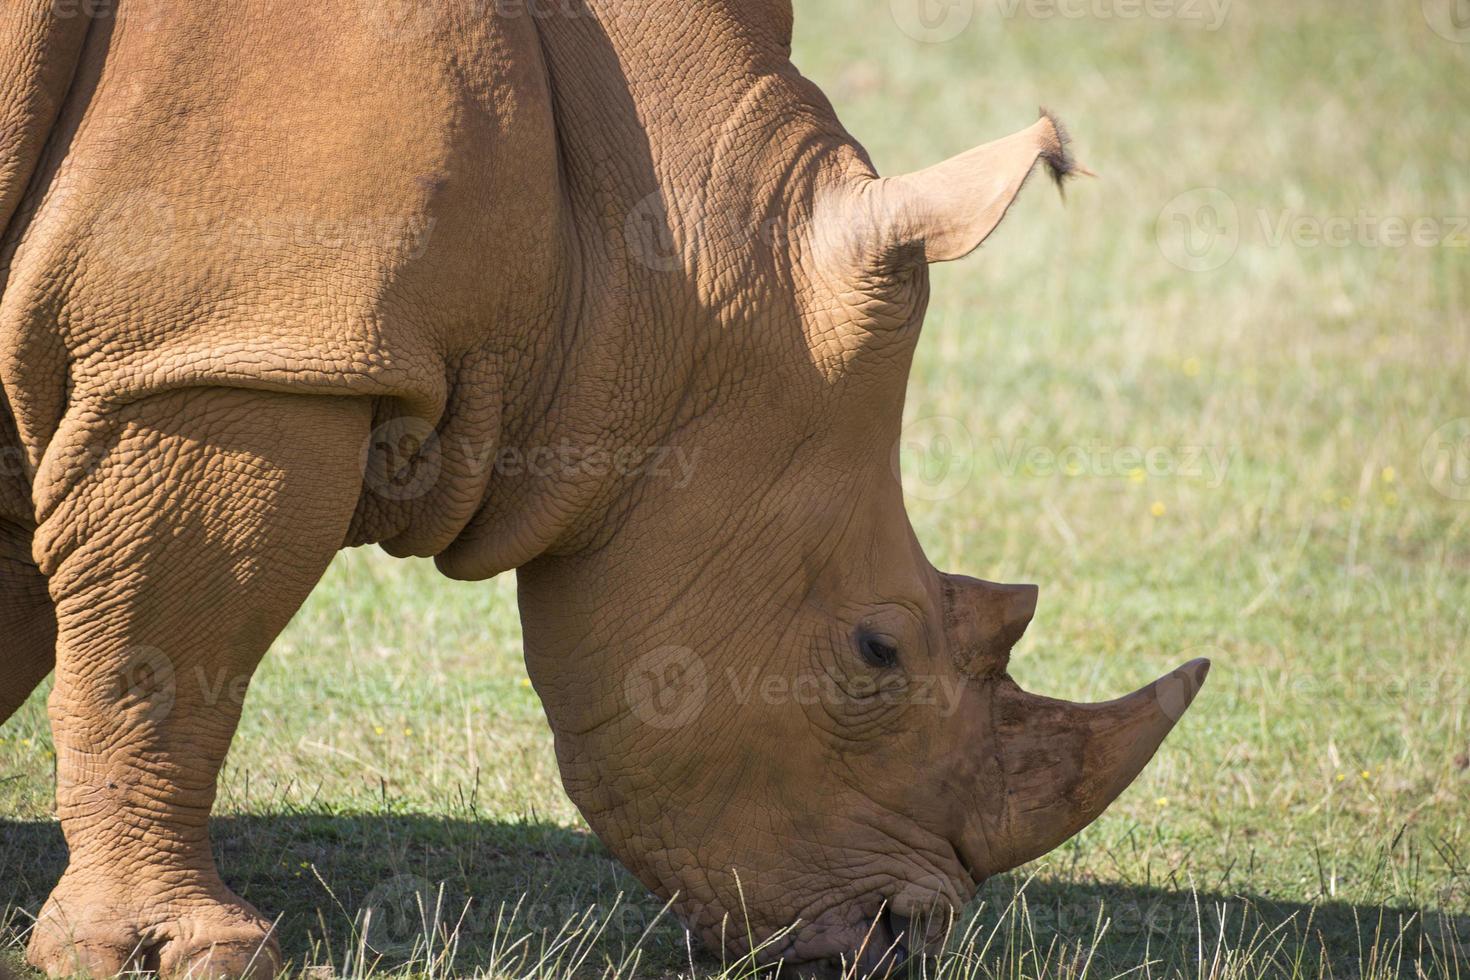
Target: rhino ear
944	212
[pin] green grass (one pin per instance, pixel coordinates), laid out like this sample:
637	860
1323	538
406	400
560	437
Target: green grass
1309	817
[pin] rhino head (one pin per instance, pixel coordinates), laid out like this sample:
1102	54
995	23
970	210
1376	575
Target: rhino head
766	701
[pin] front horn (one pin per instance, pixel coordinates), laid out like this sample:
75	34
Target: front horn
1063	763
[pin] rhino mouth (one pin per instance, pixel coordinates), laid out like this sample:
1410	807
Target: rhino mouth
888	943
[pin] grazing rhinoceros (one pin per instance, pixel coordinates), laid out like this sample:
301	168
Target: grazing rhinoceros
599	291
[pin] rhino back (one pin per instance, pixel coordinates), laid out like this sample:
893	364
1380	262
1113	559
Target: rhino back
300	197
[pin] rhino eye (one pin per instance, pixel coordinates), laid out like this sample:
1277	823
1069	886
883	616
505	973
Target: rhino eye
876	651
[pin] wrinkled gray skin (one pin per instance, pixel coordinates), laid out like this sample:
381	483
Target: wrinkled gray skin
287	278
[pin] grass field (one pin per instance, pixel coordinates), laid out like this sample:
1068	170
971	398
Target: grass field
1215	405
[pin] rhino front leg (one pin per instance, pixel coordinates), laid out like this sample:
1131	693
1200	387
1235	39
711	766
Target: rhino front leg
175	556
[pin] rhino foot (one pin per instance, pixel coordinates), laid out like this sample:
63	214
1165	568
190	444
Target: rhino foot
208	935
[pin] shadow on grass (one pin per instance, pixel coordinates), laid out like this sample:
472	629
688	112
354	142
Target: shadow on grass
324	871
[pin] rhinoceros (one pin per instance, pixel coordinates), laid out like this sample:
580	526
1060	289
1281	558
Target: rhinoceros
599	291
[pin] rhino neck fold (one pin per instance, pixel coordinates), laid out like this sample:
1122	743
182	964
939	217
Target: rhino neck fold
677	197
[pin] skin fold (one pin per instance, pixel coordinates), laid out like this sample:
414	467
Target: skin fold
601	293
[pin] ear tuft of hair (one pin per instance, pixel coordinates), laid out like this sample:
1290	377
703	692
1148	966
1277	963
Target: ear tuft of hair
1057	153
